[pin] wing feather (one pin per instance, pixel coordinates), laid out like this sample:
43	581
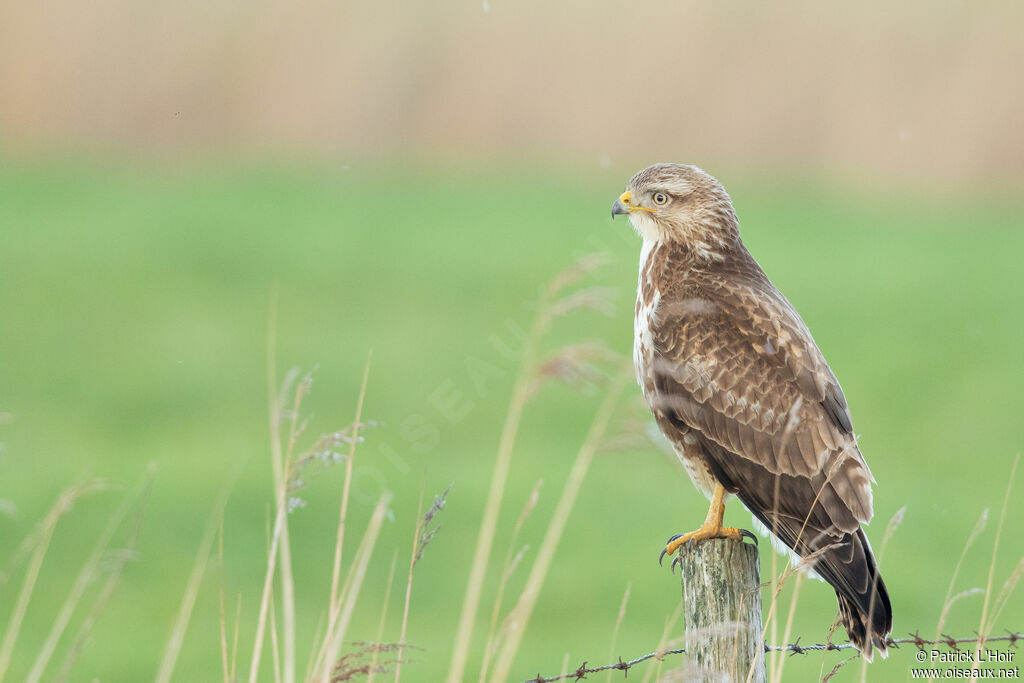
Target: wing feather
746	375
755	374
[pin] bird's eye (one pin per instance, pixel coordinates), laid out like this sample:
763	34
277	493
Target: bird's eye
660	198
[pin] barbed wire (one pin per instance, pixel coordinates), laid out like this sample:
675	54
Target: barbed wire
794	648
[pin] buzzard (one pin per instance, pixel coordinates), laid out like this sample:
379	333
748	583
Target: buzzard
737	384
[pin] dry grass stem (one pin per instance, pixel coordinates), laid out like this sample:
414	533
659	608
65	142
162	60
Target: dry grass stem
119	559
508	569
1004	593
890	530
408	587
485	538
343	509
836	622
38	542
221	613
779	581
948	601
85	576
957	598
986	623
520	395
776	581
188	600
618	624
286	470
280	543
777	668
424	534
281	486
383	615
314	647
268	580
275	651
354	581
663	642
520	616
234	639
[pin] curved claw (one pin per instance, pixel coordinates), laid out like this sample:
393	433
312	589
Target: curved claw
696	536
675	561
665	549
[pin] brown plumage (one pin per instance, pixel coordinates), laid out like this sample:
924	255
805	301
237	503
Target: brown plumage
737	384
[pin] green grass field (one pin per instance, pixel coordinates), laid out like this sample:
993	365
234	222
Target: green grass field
134	331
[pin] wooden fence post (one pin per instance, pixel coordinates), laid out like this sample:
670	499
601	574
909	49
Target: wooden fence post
722	608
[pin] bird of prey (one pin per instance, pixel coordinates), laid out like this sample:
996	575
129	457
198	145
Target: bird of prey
737	384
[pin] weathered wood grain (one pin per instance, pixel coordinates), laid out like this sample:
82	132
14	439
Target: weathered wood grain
722	609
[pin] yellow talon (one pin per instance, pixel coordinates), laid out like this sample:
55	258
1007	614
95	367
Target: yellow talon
711	528
702	534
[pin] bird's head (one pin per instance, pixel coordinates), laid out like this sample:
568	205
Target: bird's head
677	203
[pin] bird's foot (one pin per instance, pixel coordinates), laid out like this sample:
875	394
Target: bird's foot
705	532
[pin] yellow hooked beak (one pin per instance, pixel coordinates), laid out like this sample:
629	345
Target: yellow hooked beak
622	205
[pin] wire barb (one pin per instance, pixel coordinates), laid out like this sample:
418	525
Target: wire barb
794	648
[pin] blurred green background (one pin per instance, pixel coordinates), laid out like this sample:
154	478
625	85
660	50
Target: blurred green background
407	177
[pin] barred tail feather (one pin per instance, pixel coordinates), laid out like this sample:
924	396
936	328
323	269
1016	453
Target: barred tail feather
867	614
856	624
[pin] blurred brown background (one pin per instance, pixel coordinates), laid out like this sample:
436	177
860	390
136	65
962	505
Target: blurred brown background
922	92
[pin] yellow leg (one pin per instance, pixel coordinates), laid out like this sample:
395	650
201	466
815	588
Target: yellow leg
711	528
